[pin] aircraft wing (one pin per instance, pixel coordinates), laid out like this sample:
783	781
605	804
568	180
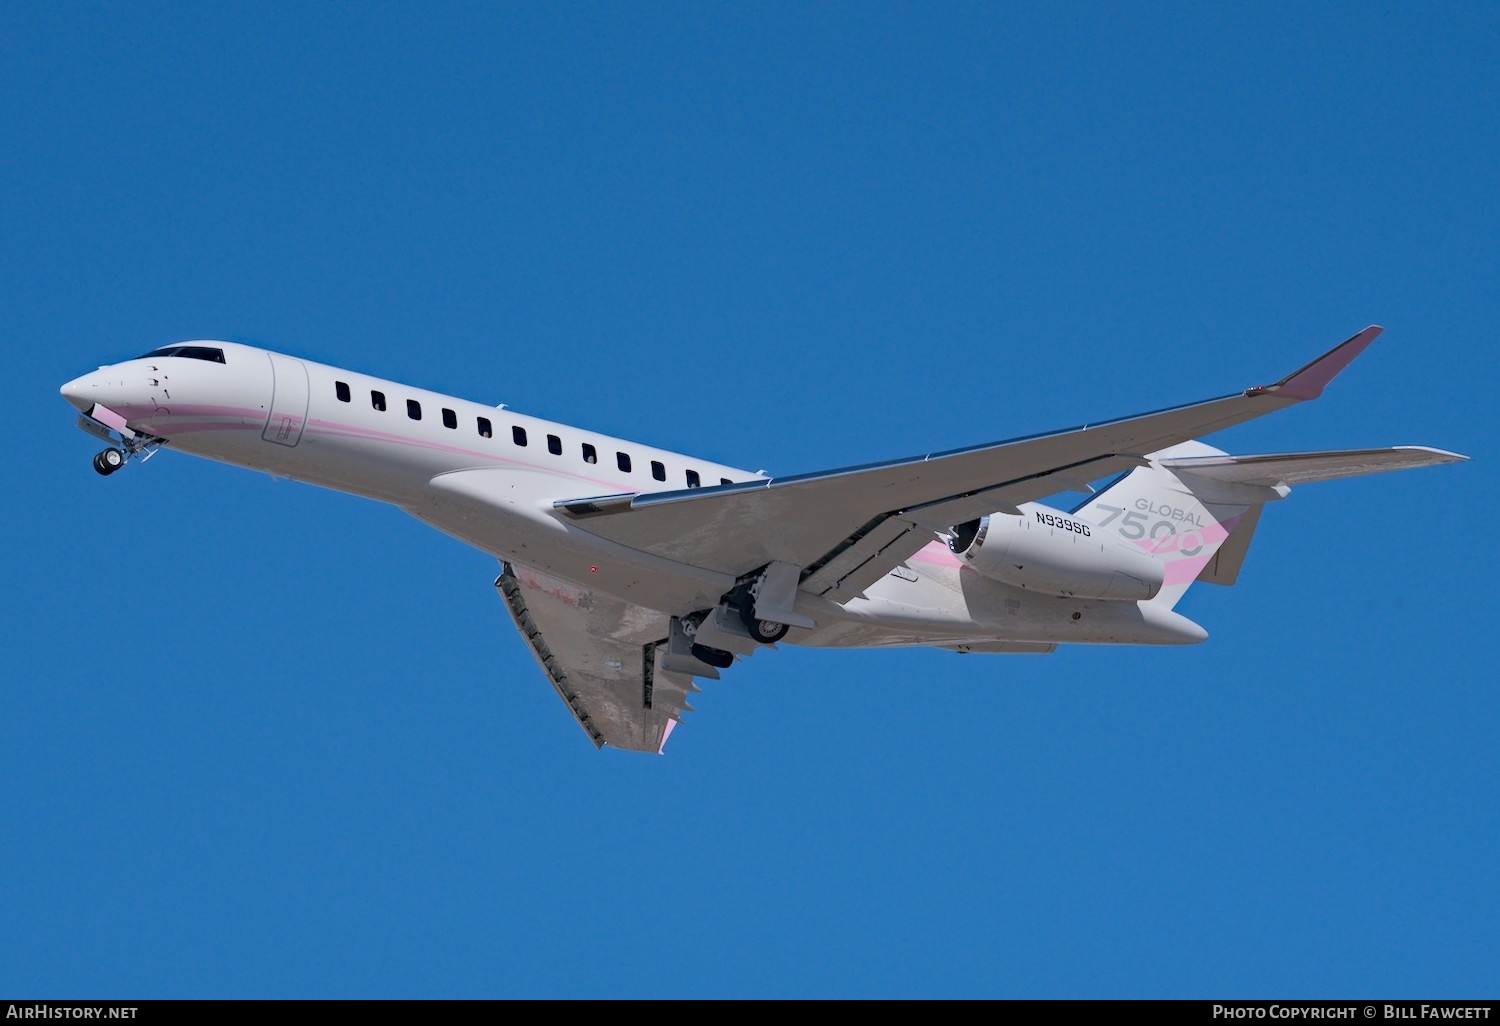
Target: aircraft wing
848	528
600	653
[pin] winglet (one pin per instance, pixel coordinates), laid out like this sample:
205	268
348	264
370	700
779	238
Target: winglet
1309	381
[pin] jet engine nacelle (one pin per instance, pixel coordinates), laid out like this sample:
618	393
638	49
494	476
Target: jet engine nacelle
1053	553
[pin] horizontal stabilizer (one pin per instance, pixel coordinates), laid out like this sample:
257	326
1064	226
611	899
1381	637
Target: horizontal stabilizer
1301	467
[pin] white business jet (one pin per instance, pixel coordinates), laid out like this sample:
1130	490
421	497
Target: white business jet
631	571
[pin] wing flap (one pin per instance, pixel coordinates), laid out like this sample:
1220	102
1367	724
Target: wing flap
866	556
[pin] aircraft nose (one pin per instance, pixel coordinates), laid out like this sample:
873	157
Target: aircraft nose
81	392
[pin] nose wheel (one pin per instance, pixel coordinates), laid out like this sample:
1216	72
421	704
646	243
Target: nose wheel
109	461
126	445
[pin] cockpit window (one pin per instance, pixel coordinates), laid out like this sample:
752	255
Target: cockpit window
208	353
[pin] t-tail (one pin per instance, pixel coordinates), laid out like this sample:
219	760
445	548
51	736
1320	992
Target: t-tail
1195	508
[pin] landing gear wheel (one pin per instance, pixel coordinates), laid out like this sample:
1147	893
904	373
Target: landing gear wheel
109	461
713	656
767	632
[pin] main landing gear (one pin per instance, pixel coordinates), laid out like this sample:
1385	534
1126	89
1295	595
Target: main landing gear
715	657
756	611
765	603
767	632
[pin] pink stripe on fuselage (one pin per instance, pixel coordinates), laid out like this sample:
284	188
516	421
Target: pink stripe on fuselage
170	428
329	429
314	426
196	409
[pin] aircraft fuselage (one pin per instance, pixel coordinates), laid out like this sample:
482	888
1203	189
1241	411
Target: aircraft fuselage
412	448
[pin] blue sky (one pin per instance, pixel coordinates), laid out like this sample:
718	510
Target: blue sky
259	740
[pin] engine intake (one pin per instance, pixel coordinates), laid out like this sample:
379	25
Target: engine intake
1050	552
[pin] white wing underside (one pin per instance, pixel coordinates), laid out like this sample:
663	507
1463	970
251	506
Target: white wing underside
601	655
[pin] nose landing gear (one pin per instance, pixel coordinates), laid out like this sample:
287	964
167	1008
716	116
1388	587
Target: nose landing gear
125	444
137	447
109	461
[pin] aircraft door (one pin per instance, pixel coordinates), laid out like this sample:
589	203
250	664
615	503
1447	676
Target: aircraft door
288	401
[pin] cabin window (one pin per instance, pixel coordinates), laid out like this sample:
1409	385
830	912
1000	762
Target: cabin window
554	445
518	435
377	400
341	389
413	409
450	419
590	454
622	460
485	431
692	479
658	470
725	480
